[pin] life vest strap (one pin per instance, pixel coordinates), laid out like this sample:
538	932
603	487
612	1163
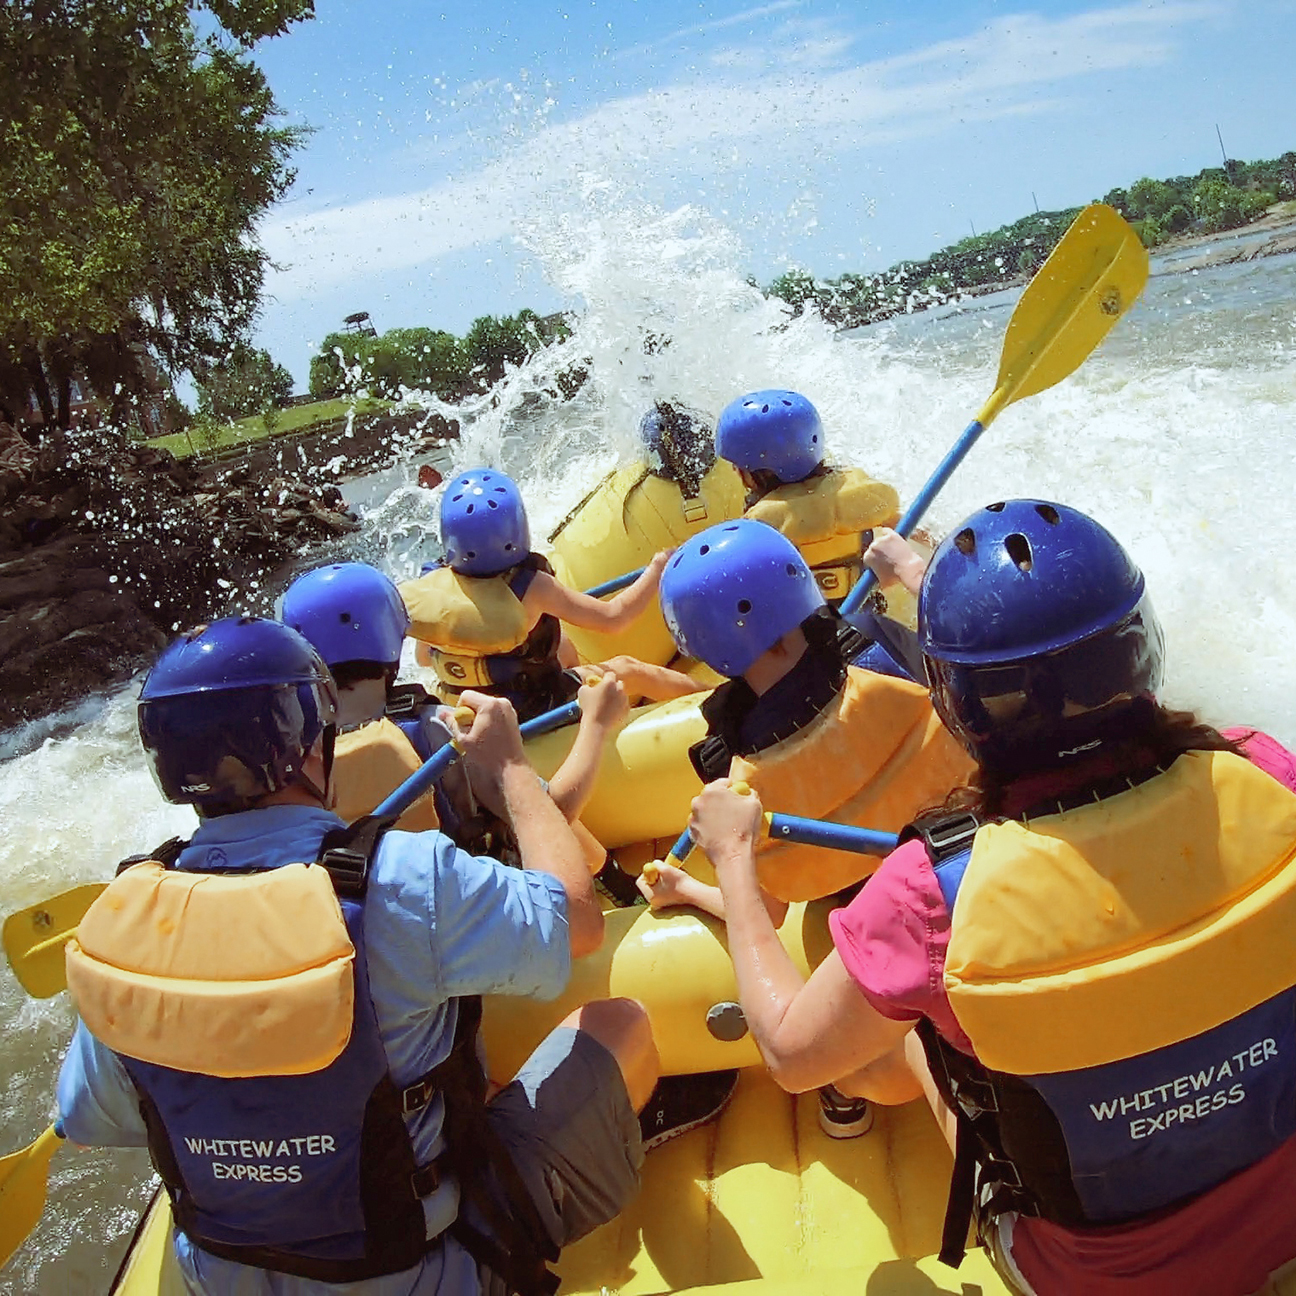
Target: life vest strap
405	701
166	855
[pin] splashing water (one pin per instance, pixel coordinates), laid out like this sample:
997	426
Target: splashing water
1179	434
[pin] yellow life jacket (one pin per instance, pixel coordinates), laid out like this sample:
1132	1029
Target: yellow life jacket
824	516
627	518
242	975
465	620
1127	925
874	758
370	763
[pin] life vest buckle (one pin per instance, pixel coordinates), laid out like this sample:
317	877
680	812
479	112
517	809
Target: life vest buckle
416	1097
950	836
974	1100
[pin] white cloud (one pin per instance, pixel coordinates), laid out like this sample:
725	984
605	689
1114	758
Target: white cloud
706	28
1008	68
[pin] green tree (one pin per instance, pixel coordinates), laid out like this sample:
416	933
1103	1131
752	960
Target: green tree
248	383
135	159
1150	198
796	287
1221	206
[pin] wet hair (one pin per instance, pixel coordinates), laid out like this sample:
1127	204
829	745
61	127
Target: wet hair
350	673
1155	736
765	480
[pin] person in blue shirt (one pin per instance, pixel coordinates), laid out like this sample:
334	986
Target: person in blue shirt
297	1047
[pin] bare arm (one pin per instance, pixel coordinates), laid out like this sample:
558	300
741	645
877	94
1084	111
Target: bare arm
810	1033
545	594
672	886
506	784
893	559
604	707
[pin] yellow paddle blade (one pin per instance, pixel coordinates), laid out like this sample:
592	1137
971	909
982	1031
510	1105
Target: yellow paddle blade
24	1177
1093	276
34	939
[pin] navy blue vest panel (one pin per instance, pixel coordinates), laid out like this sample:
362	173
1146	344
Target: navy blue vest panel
1149	1130
278	1162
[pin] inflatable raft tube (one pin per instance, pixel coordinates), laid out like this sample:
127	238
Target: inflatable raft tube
759	1203
676	963
646	784
617	527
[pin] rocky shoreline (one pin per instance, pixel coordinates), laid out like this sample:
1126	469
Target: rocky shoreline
107	549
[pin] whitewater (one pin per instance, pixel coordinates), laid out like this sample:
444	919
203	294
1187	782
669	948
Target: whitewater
1179	434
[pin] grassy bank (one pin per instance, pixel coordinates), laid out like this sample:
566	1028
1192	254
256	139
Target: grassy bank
201	440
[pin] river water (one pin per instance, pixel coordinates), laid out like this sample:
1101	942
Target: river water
1179	434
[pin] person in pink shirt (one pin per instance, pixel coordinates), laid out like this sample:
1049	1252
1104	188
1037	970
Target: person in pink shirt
1084	959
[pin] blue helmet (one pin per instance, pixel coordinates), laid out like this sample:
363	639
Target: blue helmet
776	430
484	523
231	711
678	443
350	612
1038	635
731	592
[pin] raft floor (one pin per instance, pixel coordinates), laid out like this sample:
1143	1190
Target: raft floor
759	1203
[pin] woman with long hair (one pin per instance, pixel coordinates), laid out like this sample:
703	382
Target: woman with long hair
1085	958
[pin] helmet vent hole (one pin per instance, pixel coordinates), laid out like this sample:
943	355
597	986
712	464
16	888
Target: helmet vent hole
470	553
1048	513
486	477
995	508
704	549
965	541
345	618
493	503
787	402
457	498
508	548
731	528
1019	551
793	569
471	507
764	409
744	606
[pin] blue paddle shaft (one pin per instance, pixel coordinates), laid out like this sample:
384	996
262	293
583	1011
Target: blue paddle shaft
914	513
812	832
616	584
441	759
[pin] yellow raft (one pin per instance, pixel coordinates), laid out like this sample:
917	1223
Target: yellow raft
759	1203
617	527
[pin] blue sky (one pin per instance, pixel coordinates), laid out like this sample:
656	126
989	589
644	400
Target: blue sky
833	136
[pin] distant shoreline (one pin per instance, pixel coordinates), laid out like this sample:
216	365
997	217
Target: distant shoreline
1229	247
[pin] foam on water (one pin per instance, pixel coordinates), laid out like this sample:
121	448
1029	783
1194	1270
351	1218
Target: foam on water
1180	435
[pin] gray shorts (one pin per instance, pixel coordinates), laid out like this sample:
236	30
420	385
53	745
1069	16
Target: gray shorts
566	1120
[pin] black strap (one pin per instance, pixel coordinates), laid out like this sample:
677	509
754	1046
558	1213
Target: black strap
962	1198
405	701
944	835
347	854
166	855
521	1245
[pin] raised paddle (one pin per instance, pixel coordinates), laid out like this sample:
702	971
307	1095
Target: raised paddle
34	938
24	1179
1089	281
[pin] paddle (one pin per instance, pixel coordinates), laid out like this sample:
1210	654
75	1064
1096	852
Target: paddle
441	759
24	1179
616	584
794	828
1089	281
34	938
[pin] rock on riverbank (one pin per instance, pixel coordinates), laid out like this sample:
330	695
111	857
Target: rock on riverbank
105	553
